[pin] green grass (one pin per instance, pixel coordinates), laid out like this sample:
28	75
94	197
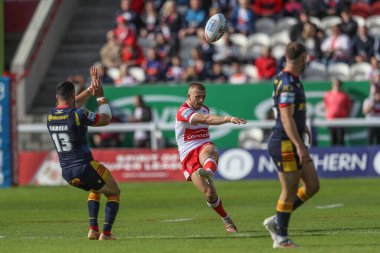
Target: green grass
54	219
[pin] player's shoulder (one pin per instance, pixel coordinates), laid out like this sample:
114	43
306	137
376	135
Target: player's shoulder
184	112
286	81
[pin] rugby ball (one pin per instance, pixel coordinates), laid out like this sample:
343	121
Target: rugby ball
215	27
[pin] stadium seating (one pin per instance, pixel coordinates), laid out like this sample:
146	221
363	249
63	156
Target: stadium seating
330	21
315	71
359	20
265	25
137	73
285	23
360	71
256	43
251	71
316	21
339	70
373	21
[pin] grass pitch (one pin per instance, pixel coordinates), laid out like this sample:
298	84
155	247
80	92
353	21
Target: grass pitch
173	217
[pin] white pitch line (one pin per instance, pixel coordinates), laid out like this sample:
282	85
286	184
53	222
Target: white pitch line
329	206
2	236
179	220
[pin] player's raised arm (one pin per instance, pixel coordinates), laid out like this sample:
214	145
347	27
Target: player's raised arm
105	114
211	119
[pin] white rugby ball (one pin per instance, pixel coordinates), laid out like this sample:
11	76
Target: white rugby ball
215	27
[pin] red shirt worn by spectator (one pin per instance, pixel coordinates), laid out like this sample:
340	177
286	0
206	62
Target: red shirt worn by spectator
337	104
266	67
267	7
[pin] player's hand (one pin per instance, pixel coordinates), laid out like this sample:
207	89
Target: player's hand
304	155
96	85
238	121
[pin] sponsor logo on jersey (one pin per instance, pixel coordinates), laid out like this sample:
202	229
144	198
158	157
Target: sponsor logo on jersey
196	134
61	117
287	98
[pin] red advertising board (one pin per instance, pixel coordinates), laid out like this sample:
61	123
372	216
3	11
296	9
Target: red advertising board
126	165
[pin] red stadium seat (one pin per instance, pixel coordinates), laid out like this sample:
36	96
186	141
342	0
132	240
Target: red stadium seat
375	8
360	9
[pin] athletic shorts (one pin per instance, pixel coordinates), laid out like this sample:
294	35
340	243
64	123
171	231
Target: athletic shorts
91	176
284	155
191	162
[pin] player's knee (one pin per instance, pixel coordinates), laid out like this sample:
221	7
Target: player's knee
314	189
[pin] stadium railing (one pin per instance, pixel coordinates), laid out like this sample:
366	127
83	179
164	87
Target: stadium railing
153	127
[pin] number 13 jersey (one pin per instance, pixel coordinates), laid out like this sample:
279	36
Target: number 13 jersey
68	129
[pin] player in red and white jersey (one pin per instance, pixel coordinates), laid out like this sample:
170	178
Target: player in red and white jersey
197	153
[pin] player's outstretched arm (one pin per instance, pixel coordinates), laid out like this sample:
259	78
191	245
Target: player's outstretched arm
105	114
212	119
81	98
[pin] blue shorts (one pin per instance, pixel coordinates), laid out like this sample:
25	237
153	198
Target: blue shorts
284	155
91	176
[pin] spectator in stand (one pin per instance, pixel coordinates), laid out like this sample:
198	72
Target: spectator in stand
175	71
108	140
124	34
292	8
227	51
334	7
205	48
296	30
150	20
376	48
125	79
153	67
312	42
362	45
217	75
224	6
374	76
242	19
337	105
191	74
315	8
348	26
131	16
141	113
266	65
133	55
198	63
336	47
170	22
237	76
268	8
371	110
195	18
110	53
163	47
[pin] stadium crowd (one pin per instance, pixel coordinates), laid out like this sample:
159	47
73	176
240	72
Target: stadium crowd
157	41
